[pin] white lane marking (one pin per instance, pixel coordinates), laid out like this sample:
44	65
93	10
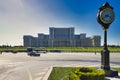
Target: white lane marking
39	78
40	74
29	74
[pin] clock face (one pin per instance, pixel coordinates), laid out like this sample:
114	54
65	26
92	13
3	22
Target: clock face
107	16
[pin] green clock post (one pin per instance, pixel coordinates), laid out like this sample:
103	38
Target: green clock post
105	17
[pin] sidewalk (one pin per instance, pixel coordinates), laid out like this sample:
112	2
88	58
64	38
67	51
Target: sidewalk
114	78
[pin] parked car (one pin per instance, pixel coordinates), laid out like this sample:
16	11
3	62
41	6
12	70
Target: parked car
32	52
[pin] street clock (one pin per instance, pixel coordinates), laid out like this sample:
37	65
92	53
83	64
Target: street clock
105	15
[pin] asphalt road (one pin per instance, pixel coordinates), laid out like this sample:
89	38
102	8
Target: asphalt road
20	66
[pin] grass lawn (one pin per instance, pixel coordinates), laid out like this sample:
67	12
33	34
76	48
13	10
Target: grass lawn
118	69
64	49
58	73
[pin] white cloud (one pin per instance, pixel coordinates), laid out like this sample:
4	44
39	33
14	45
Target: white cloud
19	17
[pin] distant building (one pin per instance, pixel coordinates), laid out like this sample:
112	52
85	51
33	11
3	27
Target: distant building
61	37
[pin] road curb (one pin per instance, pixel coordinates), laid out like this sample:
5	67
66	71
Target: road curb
114	78
48	73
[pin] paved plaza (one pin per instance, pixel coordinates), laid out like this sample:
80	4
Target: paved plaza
20	66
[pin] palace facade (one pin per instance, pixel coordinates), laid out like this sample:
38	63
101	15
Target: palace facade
59	37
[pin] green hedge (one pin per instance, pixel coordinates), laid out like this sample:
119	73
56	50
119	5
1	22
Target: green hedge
87	74
76	73
73	76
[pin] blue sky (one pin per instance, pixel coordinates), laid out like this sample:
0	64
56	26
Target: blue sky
30	17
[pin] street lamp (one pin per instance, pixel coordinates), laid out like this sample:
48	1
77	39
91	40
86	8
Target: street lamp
105	17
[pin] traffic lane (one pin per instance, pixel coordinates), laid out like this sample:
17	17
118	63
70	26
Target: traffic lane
33	67
85	57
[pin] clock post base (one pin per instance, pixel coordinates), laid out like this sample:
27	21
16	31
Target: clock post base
111	73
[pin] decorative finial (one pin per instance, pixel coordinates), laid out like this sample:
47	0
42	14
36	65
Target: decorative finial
106	4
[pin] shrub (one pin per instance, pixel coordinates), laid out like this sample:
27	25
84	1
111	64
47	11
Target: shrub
73	76
87	74
86	70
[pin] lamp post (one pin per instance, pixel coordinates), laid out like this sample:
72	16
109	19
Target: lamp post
105	17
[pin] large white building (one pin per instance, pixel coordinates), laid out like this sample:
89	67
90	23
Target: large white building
61	37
